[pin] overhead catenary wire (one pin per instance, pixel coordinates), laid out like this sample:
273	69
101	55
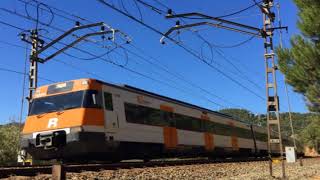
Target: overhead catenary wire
246	78
285	83
215	46
23	93
208	92
220	16
177	75
22	73
183	47
125	68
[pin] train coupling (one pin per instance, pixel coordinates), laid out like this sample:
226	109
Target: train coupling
50	140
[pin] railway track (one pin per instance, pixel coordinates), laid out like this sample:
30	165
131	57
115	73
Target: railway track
33	170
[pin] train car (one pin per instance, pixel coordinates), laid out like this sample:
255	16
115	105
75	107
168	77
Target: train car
88	119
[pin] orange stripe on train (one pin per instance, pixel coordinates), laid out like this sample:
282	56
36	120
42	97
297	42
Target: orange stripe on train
64	119
166	108
170	137
208	141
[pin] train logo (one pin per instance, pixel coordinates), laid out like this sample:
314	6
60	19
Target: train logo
53	122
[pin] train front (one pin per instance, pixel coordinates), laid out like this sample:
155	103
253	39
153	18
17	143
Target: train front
58	117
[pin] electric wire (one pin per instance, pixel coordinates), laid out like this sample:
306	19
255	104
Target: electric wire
37	12
80	18
224	57
183	47
219	52
208	92
22	73
221	16
137	6
57	29
140	74
91	54
177	75
23	93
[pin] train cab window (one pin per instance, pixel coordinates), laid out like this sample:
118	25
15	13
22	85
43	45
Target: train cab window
92	99
108	104
56	103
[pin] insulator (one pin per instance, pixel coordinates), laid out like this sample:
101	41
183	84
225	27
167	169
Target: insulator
263	33
102	28
23	36
268	2
169	12
272	16
77	23
177	23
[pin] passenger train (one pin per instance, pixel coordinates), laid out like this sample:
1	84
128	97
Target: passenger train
88	119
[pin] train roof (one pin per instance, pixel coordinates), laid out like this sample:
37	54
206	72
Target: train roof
148	93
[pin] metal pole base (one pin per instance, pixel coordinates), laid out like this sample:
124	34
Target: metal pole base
58	172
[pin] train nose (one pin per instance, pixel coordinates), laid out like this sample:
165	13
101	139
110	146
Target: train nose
51	140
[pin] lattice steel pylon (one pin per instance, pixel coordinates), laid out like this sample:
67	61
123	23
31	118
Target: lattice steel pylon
273	116
275	147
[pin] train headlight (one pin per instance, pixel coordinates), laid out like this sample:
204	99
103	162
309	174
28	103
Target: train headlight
75	129
85	82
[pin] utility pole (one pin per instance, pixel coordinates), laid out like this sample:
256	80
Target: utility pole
33	71
275	145
274	141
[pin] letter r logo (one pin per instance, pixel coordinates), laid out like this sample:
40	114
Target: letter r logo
53	122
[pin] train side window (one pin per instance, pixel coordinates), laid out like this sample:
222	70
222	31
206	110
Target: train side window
167	119
223	129
183	122
145	115
133	114
108	101
209	126
196	124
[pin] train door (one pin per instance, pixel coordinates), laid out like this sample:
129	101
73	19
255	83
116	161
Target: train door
170	136
111	106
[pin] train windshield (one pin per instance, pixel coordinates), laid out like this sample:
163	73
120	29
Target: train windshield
89	99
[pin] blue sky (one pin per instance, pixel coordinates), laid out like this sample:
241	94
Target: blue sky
248	58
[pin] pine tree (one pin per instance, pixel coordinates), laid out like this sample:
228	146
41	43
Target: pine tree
301	63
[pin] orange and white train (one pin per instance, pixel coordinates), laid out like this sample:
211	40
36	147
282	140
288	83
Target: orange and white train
88	119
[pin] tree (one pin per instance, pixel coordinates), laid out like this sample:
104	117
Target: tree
301	63
311	134
9	142
245	116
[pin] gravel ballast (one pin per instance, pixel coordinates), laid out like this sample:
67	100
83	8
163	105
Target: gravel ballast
246	170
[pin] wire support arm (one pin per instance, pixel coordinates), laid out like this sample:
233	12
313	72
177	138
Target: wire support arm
66	34
203	16
76	42
217	25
